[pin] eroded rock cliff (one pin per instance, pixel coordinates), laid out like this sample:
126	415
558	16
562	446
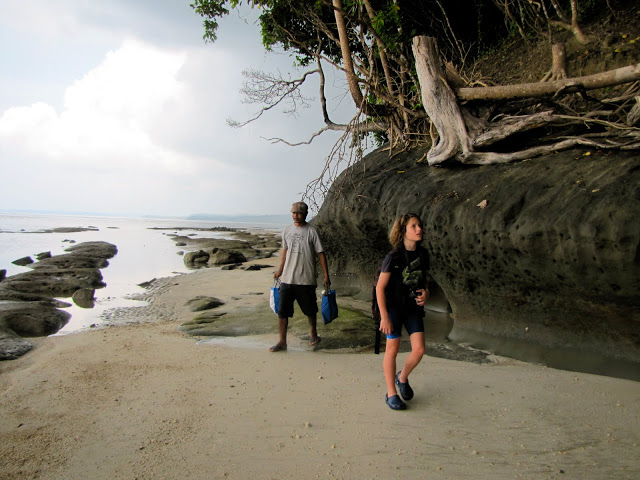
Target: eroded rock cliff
541	255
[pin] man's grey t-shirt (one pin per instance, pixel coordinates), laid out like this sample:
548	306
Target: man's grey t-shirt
302	244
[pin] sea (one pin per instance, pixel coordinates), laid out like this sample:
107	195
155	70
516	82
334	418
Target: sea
145	252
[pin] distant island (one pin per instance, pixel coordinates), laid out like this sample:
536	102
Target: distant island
239	218
268	219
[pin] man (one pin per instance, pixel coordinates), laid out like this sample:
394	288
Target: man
297	273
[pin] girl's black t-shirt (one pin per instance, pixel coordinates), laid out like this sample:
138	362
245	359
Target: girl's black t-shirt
408	274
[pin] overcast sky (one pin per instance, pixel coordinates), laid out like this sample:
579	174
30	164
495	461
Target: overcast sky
118	106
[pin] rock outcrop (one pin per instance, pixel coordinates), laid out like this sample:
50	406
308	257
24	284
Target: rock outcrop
27	304
539	255
213	252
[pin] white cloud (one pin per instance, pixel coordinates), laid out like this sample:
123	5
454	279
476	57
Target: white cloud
121	106
108	115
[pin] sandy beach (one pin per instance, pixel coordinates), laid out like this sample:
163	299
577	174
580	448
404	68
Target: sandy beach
141	400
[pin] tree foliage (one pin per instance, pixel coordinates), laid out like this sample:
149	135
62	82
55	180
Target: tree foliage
372	43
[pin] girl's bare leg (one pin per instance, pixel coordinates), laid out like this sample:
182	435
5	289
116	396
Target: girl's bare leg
389	365
414	358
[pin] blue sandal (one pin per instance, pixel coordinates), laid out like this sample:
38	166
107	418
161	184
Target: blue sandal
394	402
405	389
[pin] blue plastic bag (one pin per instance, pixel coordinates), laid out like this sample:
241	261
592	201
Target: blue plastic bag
274	297
329	307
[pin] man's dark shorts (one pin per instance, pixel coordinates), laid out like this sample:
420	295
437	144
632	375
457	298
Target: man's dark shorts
304	294
412	319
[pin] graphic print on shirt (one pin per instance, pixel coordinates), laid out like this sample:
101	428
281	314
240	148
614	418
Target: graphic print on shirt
296	240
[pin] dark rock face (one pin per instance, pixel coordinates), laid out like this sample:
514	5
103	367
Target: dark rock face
543	252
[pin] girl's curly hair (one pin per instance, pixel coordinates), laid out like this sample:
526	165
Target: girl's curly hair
399	228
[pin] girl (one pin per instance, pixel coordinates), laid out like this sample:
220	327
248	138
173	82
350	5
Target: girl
402	292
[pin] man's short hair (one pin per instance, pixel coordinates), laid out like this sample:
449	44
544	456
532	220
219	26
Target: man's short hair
300	207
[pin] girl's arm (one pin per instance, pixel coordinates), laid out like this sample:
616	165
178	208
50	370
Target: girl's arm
385	323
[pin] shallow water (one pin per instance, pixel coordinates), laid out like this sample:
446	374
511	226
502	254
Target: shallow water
143	254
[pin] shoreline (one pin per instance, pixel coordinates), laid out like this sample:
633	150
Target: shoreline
144	400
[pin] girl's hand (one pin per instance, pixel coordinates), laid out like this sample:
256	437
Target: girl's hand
385	325
422	296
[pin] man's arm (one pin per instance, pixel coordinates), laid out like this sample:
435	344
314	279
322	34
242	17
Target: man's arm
325	269
283	260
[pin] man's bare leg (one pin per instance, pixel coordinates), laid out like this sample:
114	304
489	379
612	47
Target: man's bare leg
283	324
314	339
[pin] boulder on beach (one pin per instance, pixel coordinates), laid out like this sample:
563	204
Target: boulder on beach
84	297
43	255
256	266
147	284
12	346
225	257
202	325
201	302
31	319
55	282
195	259
71	261
94	249
27	304
21	262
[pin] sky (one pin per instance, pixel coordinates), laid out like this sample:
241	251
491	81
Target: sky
120	107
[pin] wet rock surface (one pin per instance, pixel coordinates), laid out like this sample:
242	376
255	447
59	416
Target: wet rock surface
213	252
202	302
27	304
544	252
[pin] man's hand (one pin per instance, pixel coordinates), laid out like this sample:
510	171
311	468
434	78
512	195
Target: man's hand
277	274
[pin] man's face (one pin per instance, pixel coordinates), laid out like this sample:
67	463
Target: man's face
298	217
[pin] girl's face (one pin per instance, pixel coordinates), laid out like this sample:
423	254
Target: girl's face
413	232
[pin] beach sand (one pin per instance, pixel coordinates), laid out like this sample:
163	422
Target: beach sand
144	401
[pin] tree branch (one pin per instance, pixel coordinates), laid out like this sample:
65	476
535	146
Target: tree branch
618	76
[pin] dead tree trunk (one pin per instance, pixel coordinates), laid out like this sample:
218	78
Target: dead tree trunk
528	90
440	103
